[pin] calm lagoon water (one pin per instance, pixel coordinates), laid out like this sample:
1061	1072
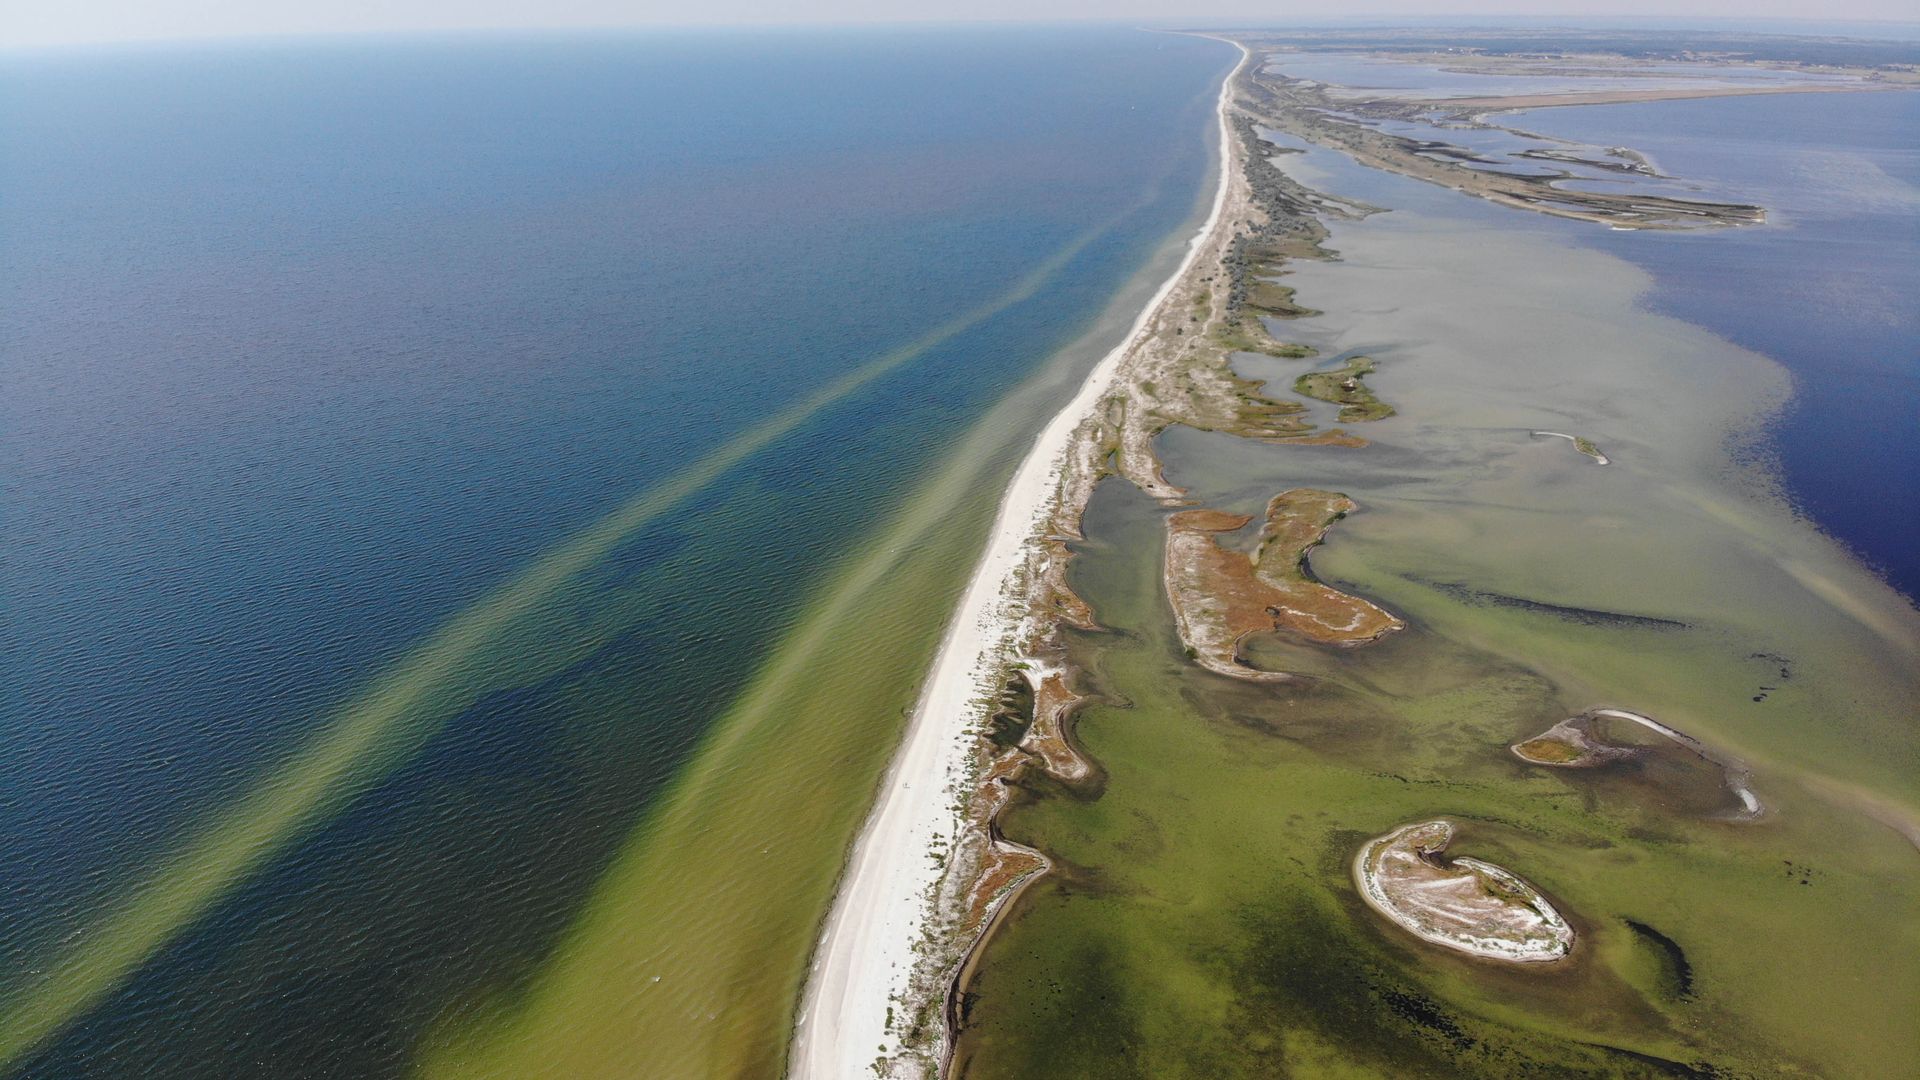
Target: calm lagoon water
1202	918
1827	287
308	348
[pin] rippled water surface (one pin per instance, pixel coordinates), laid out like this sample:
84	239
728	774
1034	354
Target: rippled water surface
410	447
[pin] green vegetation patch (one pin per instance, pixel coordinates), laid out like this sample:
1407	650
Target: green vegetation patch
1551	751
1275	299
1345	386
1248	336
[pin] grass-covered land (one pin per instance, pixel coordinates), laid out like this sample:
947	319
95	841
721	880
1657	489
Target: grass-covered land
1549	751
1249	336
1275	300
1346	387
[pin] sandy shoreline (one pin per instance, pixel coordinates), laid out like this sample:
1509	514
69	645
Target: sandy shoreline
1463	904
866	956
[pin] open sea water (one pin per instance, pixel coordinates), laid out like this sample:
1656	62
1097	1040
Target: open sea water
305	349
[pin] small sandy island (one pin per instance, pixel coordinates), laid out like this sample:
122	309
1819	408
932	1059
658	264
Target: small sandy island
1580	443
1465	904
1577	743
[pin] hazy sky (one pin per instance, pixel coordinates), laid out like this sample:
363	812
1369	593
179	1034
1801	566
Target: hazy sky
41	22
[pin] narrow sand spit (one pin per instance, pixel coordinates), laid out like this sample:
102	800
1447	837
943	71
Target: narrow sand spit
1598	457
1515	102
866	955
1737	773
1570	745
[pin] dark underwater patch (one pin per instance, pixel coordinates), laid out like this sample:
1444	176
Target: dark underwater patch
1679	973
1585	616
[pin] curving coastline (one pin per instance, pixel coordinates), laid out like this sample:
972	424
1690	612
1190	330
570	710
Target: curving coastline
1029	1000
891	897
930	876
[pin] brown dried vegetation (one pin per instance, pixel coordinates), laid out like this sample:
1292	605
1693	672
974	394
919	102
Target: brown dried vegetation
1221	596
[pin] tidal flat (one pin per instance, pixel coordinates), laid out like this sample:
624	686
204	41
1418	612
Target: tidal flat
1201	919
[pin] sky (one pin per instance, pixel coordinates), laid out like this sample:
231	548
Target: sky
69	22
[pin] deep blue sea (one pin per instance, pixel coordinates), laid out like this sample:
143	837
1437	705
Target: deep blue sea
1830	287
305	347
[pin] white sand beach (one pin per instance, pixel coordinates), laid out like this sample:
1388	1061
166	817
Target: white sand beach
865	958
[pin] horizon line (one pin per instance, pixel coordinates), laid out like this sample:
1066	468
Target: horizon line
1761	25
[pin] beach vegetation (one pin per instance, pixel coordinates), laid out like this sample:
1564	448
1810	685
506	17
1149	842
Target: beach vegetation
1346	386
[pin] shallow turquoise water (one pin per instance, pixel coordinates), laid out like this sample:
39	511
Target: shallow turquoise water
308	348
